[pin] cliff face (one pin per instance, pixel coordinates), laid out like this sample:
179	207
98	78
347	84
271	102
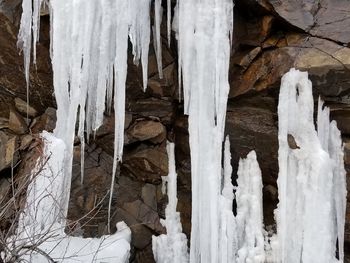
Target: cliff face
270	37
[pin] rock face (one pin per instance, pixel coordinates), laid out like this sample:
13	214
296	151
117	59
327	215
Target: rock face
270	37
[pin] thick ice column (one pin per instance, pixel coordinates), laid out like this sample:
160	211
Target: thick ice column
249	218
331	142
204	29
172	247
305	221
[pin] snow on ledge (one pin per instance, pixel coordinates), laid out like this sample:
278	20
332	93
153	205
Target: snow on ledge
40	234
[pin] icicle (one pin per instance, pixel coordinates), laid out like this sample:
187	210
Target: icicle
331	142
172	247
140	34
157	41
250	211
119	90
169	21
90	64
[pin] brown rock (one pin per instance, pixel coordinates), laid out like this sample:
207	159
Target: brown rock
160	88
245	58
328	65
22	108
17	123
252	32
25	141
141	236
144	214
341	113
147	165
326	18
152	107
109	122
4	123
145	255
347	152
5	187
254	128
147	130
149	195
46	122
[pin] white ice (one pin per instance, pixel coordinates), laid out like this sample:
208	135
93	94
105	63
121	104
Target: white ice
330	138
311	188
171	247
228	239
204	30
250	228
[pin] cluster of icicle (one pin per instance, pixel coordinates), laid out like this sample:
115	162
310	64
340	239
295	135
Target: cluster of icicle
311	182
89	47
171	247
242	236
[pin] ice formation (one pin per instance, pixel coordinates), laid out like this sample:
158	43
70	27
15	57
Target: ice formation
330	138
40	236
241	237
250	228
90	63
311	180
204	32
172	247
228	243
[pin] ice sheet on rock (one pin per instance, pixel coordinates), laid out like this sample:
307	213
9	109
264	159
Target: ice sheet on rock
172	247
305	180
331	142
204	29
250	228
39	227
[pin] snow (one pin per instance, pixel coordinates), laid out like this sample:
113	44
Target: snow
172	247
40	236
310	187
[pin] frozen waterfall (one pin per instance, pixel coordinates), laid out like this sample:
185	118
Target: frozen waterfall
89	51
